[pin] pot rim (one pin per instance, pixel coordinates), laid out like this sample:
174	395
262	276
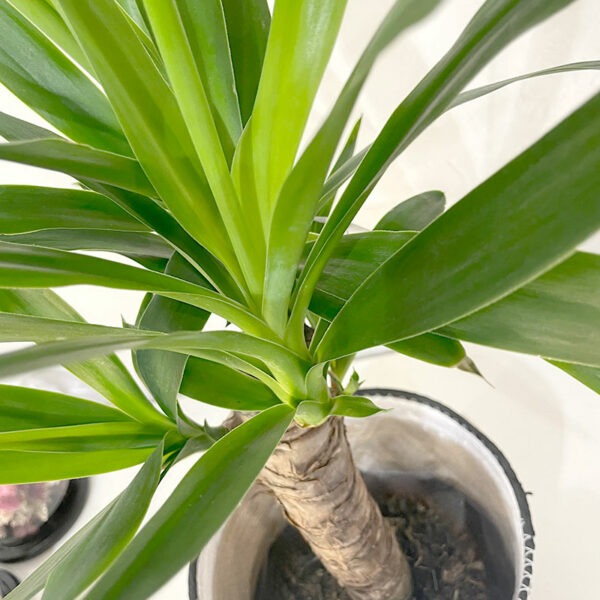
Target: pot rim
517	489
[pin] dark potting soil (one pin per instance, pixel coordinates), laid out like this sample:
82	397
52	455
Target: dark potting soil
453	551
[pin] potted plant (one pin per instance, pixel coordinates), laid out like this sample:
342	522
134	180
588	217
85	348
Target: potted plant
182	122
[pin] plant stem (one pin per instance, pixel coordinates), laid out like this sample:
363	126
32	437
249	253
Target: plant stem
314	477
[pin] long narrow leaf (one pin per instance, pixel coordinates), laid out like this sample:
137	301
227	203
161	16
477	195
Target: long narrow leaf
26	408
150	117
92	437
80	161
555	316
519	223
495	25
45	17
248	23
308	176
126	243
31	467
300	41
31	267
163	371
462	98
196	509
92	555
47	81
218	385
207	35
105	374
29	208
193	101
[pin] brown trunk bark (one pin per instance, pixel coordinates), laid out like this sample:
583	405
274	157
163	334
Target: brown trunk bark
313	475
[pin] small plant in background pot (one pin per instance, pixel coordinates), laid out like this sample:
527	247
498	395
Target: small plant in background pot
181	121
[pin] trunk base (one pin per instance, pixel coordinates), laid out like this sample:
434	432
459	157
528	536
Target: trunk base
436	528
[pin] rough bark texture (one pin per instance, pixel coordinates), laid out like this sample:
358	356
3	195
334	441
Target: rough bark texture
314	477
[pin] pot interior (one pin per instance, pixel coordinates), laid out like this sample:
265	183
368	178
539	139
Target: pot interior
417	442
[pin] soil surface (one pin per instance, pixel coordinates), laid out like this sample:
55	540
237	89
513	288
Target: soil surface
445	560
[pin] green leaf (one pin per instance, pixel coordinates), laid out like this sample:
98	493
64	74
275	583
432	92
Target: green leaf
163	223
207	35
219	385
80	161
105	374
86	562
414	214
301	38
32	467
307	179
589	376
494	26
163	371
556	316
591	65
432	348
144	210
355	258
30	266
248	23
36	71
127	243
13	129
288	368
354	406
326	201
28	208
26	408
108	532
196	509
519	223
91	437
191	95
45	17
37	580
150	117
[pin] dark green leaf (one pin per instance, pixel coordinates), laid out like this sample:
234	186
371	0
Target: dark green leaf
248	23
80	161
13	129
36	71
162	371
518	224
494	26
591	65
29	208
414	214
218	385
555	316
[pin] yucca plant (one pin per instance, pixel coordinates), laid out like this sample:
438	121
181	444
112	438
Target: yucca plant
181	121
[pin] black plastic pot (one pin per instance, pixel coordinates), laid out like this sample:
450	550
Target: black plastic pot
421	438
50	532
8	582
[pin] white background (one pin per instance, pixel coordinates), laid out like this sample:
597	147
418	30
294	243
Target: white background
546	423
